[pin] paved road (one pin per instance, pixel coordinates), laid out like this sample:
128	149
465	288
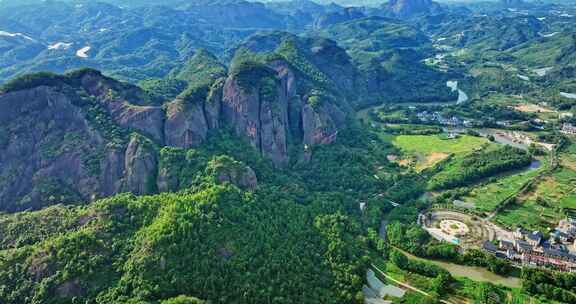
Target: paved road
406	285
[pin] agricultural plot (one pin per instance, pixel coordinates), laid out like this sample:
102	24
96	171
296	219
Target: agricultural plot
568	158
428	150
504	99
488	196
542	208
527	214
559	190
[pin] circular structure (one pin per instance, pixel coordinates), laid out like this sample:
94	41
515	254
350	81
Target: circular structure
464	230
454	227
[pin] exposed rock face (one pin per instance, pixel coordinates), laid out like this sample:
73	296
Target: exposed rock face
275	127
241	110
148	120
321	124
73	140
52	153
213	105
166	181
225	169
263	120
46	141
141	165
245	179
186	126
113	170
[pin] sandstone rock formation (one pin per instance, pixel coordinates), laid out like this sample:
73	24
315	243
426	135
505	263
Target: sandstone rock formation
86	136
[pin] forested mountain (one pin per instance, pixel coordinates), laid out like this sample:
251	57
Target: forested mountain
232	151
389	54
218	152
108	133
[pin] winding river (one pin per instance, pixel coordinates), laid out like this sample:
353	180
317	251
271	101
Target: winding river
452	84
462	96
568	95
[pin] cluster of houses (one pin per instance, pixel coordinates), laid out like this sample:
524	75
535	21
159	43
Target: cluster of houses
437	117
528	248
568	129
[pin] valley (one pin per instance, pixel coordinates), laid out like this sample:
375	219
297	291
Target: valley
294	151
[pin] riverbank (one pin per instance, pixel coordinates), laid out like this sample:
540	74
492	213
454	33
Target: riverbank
478	274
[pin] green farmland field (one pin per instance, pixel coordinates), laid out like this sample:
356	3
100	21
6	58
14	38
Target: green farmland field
428	144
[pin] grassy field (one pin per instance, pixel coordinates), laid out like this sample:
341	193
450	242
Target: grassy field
527	214
568	157
488	196
418	281
542	207
427	144
428	150
559	190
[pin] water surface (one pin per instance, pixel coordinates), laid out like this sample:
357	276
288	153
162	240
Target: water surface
474	273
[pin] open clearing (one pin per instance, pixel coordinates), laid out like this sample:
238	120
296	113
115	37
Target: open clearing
529	215
568	159
434	158
542	207
531	108
557	190
488	196
431	149
428	144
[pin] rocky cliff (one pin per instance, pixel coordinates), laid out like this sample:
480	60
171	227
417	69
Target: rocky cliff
82	136
64	139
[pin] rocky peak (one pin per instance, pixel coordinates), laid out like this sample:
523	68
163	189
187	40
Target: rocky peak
83	136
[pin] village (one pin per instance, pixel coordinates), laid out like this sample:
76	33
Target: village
522	247
437	117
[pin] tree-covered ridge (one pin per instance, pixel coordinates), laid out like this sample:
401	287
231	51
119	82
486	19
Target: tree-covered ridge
76	78
296	237
190	81
216	243
320	63
389	55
